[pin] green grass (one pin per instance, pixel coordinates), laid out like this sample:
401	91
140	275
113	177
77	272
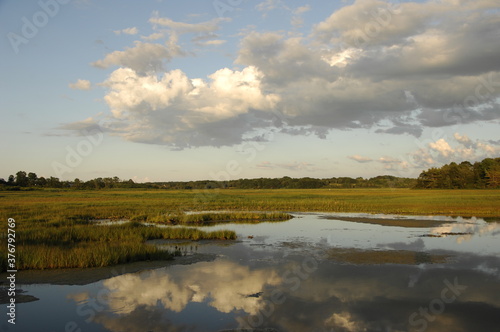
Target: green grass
77	246
210	218
58	224
54	207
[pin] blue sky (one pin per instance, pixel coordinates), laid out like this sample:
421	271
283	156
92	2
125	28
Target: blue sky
186	90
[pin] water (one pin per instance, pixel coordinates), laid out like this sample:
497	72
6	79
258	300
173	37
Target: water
281	276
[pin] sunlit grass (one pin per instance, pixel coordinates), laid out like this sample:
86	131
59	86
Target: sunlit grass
60	223
76	245
206	218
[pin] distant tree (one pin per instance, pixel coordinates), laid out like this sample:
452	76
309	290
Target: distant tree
54	182
32	179
464	175
493	176
77	184
41	182
21	179
11	180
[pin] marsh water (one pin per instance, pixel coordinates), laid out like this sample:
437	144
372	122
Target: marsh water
315	272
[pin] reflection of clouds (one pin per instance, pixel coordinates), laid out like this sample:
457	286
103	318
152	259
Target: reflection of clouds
494	271
335	297
226	284
473	226
377	298
417	245
345	321
140	320
79	298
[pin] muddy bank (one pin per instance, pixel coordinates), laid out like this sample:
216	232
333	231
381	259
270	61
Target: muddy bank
90	275
20	296
412	223
358	256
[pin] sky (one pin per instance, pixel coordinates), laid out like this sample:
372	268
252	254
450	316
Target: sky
229	89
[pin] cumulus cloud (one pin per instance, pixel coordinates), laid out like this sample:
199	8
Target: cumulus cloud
393	164
142	57
81	85
127	31
182	27
302	9
226	285
182	112
371	63
442	147
451	149
360	159
269	5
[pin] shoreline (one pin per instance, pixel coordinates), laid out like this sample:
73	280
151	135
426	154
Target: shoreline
85	276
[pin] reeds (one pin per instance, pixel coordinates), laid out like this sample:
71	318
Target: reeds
75	245
181	218
58	223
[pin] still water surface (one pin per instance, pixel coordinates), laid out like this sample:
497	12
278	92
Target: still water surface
282	276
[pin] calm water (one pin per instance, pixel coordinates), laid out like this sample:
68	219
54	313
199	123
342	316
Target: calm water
281	276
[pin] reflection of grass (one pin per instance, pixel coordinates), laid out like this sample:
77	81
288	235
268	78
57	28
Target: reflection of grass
73	245
357	256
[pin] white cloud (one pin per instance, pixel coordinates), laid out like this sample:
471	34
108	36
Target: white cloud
269	5
457	148
442	147
81	85
127	31
224	284
182	112
418	64
464	139
182	27
302	9
214	42
360	159
394	164
154	36
143	57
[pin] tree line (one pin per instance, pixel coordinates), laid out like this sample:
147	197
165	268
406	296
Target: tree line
23	180
481	174
286	182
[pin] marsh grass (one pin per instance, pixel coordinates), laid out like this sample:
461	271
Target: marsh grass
76	245
208	218
58	223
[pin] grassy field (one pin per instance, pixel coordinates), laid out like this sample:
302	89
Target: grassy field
58	225
59	207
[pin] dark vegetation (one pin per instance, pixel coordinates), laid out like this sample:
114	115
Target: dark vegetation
23	180
480	175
